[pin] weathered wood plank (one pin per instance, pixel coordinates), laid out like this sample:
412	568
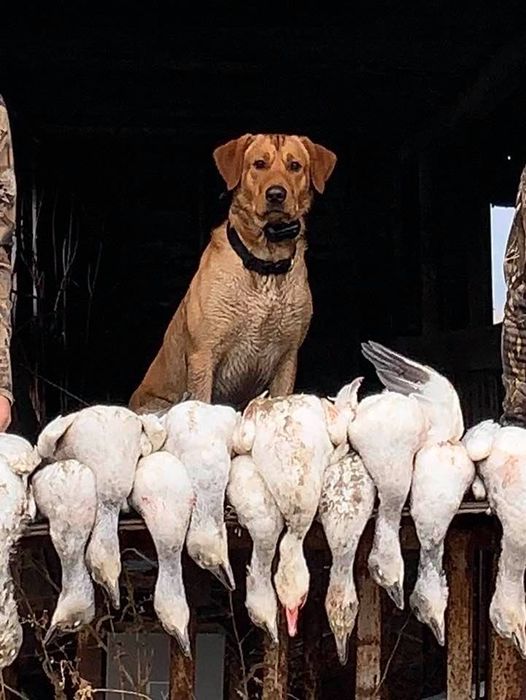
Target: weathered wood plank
459	615
369	625
505	667
506	670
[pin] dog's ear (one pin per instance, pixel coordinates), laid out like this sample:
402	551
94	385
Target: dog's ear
229	159
322	162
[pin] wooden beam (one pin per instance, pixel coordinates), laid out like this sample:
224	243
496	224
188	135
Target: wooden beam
275	662
315	538
459	615
369	625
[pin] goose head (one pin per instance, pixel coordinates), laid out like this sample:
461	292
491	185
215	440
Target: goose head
262	606
172	610
208	547
71	614
428	602
341	605
386	567
292	581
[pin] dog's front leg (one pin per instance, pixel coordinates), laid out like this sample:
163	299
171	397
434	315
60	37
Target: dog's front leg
200	376
285	377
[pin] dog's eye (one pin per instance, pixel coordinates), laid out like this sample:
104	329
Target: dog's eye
259	164
294	165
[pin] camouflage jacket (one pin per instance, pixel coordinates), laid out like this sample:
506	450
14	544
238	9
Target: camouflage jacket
513	342
7	225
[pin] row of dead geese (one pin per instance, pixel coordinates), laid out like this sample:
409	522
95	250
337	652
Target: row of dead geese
283	463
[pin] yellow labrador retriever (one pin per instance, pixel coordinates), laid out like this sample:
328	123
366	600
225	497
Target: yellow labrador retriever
245	315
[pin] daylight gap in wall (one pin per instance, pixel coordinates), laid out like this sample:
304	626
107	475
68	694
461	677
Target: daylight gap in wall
501	219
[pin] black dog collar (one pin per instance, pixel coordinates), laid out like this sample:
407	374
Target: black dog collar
262	267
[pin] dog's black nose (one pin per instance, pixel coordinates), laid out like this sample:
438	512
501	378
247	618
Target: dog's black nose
276	194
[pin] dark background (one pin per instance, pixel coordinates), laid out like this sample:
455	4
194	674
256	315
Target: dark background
116	110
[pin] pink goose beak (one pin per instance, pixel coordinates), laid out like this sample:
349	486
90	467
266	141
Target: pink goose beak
292	620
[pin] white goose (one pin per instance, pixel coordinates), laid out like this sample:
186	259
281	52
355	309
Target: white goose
258	513
21	455
289	442
109	440
16	510
200	435
66	494
387	431
443	472
163	495
501	453
347	502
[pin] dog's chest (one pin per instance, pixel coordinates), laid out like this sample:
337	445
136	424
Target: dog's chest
269	315
270	322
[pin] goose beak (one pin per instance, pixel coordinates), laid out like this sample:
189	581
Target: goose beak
184	642
272	631
113	593
396	593
439	631
341	648
292	620
225	576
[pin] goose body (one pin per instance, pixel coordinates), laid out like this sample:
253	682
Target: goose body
163	495
66	494
502	468
258	513
21	456
200	435
347	502
387	431
443	472
109	440
15	513
289	443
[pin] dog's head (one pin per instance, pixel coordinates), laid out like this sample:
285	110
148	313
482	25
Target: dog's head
274	175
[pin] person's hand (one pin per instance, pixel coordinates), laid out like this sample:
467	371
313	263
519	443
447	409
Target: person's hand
5	413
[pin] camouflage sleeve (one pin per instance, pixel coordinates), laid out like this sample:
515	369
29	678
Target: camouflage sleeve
513	340
7	225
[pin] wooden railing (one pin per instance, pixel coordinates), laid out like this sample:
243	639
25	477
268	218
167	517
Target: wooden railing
477	663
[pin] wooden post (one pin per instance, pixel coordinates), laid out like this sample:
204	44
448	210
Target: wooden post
506	670
459	619
182	669
275	660
369	625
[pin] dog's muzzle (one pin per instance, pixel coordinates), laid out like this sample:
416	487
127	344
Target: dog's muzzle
275	233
